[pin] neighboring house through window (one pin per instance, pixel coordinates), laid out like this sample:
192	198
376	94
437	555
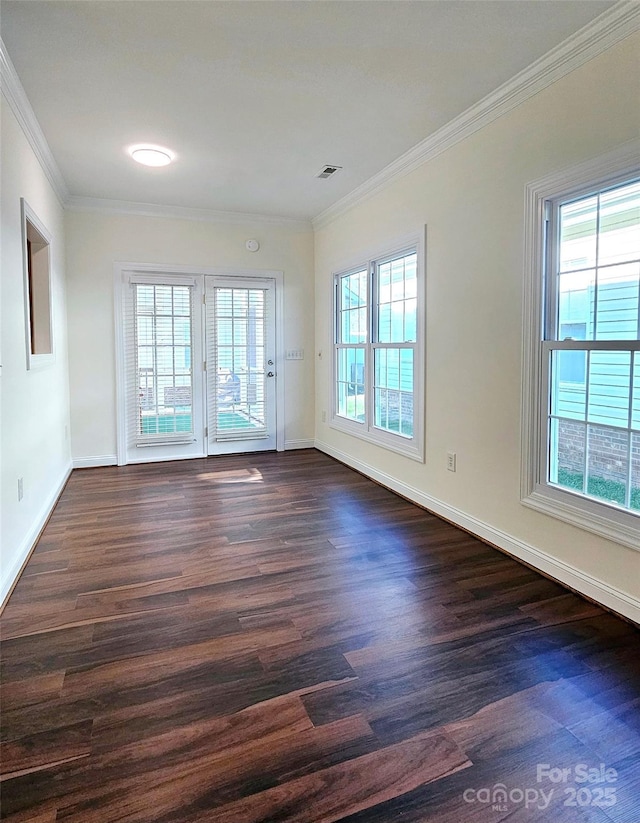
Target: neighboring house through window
583	461
378	344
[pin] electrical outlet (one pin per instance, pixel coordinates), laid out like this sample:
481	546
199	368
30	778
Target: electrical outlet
451	461
324	416
20	488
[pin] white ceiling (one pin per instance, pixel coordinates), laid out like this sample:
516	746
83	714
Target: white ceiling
255	97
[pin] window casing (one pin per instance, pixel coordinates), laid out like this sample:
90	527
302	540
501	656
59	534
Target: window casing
581	443
37	289
378	344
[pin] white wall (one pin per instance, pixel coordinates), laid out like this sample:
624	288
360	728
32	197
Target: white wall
96	241
34	404
471	199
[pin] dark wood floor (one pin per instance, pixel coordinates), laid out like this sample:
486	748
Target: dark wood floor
276	638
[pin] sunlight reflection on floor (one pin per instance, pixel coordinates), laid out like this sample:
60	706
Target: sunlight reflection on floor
234	476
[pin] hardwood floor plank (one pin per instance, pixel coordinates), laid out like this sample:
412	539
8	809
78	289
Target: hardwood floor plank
45	566
23	602
42	750
38	654
75	618
436	635
329	795
16	694
68	620
78	582
267	720
28	817
132	672
46	716
565	608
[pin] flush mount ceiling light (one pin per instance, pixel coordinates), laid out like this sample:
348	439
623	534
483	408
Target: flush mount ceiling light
151	155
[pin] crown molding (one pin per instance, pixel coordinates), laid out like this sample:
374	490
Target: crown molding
21	107
608	29
105	206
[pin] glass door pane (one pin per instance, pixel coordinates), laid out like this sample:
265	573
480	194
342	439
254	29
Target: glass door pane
163	351
241	366
162	368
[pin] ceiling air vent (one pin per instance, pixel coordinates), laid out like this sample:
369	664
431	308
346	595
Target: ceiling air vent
327	171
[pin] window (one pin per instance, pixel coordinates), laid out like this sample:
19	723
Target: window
378	352
37	289
586	465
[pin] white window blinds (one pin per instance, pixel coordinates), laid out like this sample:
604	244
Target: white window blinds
237	362
159	331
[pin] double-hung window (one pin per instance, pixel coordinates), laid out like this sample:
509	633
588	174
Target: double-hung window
378	343
586	465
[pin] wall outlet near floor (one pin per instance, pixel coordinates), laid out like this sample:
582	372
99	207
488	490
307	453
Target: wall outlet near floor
451	461
324	415
20	488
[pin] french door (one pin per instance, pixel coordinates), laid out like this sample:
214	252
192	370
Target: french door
241	375
196	365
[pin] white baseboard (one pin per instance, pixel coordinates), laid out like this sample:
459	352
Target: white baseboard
11	575
299	444
597	590
94	462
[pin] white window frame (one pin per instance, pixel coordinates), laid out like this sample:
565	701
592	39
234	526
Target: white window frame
412	447
587	513
44	359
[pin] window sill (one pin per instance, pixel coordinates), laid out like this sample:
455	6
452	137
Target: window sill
40	361
598	518
407	447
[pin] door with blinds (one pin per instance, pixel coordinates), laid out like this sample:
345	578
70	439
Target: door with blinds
240	356
163	374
